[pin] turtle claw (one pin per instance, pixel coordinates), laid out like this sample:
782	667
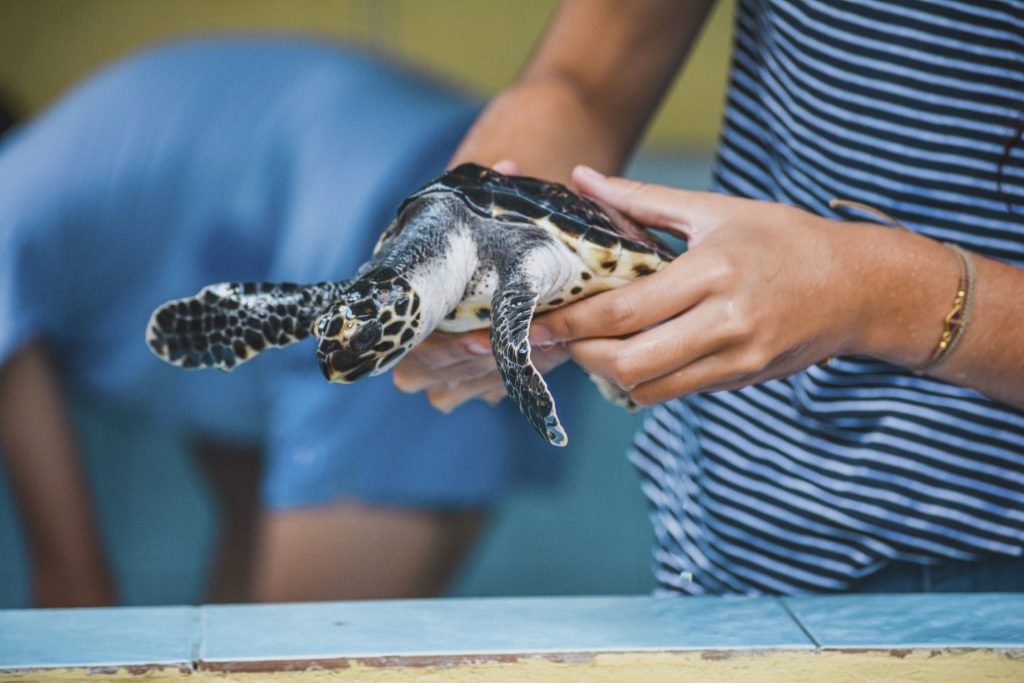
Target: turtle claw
553	432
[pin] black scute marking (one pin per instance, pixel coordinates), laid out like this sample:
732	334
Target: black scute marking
511	313
568	224
227	324
482	188
604	238
517	203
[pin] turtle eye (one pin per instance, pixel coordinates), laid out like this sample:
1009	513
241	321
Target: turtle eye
367	336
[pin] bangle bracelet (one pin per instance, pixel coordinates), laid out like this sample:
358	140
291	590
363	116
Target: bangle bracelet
955	323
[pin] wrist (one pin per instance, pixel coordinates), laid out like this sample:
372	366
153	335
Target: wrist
904	285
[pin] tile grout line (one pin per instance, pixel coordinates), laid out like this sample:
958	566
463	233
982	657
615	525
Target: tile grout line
800	624
196	643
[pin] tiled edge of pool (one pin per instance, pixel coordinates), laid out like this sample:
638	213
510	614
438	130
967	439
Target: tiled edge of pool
969	631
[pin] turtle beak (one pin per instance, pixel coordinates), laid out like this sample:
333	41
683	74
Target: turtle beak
342	365
343	368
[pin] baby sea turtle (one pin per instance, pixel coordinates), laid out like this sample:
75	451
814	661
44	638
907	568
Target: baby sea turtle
472	249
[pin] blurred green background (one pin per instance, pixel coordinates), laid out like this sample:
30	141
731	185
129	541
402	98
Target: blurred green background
46	45
588	536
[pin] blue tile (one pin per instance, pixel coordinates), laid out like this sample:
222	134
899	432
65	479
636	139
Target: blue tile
43	638
492	626
917	620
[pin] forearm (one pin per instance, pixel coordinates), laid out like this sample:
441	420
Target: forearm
590	88
41	455
911	282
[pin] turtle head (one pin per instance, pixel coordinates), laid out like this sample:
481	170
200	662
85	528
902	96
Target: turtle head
368	328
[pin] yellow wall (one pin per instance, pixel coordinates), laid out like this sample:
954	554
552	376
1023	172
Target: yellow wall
46	45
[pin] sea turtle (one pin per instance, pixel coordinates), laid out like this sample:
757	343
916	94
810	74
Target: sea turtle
471	249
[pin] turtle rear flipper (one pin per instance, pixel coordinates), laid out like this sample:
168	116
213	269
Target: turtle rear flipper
515	300
229	323
614	394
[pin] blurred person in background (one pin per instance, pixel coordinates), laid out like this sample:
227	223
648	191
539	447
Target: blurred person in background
769	469
227	160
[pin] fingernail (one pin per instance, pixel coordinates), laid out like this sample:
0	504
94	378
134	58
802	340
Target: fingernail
590	173
541	336
477	348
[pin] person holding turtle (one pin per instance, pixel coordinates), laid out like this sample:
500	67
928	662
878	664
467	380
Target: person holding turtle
835	363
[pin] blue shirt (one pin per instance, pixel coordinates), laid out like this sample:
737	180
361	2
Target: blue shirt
252	160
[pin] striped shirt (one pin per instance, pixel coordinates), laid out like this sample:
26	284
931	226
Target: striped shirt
809	483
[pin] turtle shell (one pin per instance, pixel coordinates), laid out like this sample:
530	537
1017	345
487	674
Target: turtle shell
522	199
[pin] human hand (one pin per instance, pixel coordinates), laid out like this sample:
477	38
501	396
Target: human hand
763	291
455	368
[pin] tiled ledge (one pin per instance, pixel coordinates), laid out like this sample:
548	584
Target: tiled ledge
711	638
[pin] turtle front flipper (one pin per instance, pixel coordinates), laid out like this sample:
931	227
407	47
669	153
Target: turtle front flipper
229	323
511	312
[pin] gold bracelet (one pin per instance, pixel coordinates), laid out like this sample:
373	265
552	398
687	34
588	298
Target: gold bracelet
955	323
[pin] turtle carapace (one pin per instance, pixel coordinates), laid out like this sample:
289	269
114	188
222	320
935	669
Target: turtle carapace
472	249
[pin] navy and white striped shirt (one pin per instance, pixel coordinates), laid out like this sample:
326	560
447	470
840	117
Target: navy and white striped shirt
812	482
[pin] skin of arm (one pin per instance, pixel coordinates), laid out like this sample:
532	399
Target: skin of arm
589	89
562	110
42	458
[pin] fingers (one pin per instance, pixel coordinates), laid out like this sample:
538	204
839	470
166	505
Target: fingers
667	208
490	386
660	350
436	358
441	350
732	369
725	369
710	373
447	398
506	167
626	310
495	397
411	375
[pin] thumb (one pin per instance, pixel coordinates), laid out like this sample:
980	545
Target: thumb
657	206
506	167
